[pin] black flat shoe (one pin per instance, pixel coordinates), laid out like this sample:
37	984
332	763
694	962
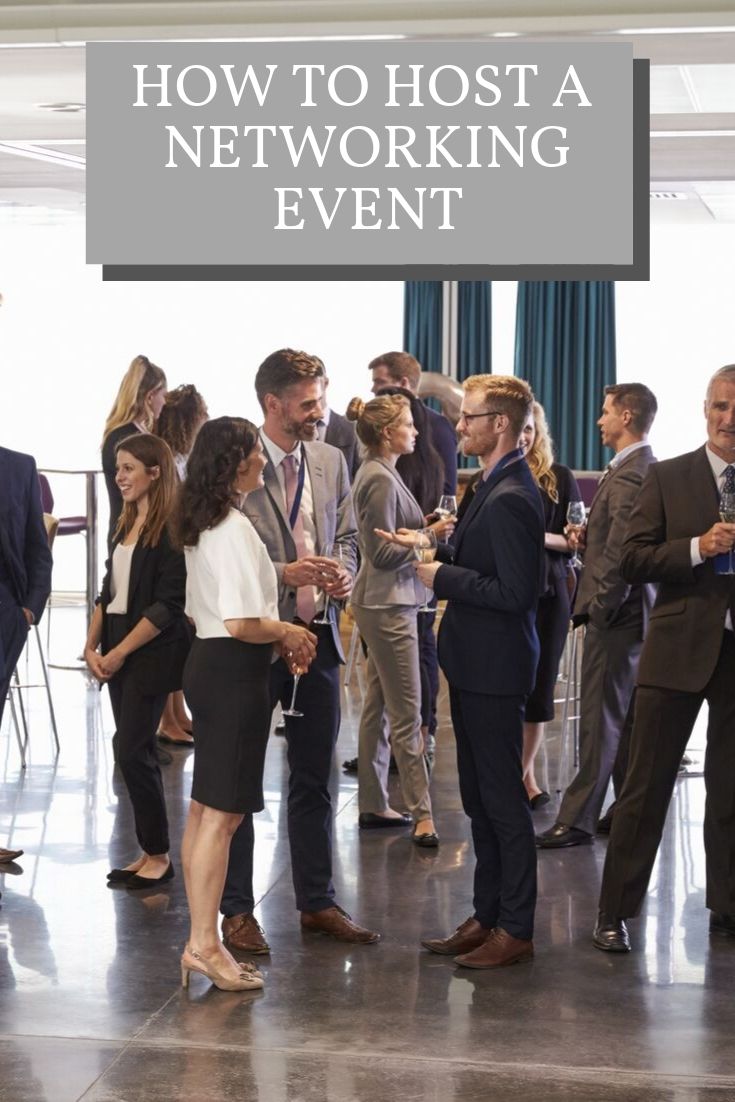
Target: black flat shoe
350	766
541	799
137	882
119	876
426	841
174	741
368	821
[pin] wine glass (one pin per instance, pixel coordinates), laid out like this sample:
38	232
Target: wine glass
447	506
336	553
425	551
576	520
292	710
727	516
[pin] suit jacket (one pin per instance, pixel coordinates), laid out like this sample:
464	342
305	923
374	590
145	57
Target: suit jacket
341	434
23	542
157	591
333	516
444	439
603	594
387	574
678	500
487	638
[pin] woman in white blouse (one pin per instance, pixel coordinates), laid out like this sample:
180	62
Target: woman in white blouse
232	597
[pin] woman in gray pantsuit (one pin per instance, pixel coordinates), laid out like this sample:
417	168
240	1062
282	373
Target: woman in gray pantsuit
384	601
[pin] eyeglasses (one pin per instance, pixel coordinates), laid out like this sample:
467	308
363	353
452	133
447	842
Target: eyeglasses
471	416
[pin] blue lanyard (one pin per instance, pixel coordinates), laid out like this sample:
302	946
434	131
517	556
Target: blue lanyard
294	514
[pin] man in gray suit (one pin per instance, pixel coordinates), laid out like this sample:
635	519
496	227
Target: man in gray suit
336	430
616	615
303	510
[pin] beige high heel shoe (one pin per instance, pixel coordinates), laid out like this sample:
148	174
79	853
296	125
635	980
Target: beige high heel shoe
249	979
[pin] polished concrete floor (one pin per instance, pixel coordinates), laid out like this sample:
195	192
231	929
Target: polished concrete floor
90	1005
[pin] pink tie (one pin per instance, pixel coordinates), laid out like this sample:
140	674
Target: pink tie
305	603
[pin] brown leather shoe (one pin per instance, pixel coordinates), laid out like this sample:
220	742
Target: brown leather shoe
242	933
8	855
336	923
466	937
498	949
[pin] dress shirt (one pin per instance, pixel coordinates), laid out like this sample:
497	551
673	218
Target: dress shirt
718	466
276	456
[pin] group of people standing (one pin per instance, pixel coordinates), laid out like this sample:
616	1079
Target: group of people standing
265	539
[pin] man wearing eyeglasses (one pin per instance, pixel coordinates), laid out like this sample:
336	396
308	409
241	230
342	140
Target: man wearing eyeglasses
488	650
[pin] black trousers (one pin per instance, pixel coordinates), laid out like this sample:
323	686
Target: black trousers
310	746
134	744
489	733
13	635
428	668
662	724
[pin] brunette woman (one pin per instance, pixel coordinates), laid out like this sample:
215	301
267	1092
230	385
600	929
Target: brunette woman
136	409
385	600
137	642
558	487
232	596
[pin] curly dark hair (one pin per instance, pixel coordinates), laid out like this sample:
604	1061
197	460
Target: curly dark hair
206	494
180	418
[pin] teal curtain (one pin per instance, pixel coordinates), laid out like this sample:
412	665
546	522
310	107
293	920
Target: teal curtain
565	348
474	308
422	322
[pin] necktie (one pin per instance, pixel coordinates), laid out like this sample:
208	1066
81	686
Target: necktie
605	473
728	486
305	603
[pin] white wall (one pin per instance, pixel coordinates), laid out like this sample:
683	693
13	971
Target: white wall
66	339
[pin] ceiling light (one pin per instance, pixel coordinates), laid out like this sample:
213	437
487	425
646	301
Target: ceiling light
693	133
505	34
672	30
69	160
69	108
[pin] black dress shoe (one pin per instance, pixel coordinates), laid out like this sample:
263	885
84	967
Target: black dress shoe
541	799
368	821
428	841
720	923
611	934
604	825
559	836
350	766
137	882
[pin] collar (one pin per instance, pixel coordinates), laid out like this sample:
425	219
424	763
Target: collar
717	463
504	461
276	454
621	456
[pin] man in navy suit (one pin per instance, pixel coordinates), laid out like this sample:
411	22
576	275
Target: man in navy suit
488	650
25	566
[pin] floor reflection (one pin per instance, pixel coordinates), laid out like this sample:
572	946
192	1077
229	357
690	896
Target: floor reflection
89	997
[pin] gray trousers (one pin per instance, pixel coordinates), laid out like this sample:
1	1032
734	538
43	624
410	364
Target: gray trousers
394	695
609	668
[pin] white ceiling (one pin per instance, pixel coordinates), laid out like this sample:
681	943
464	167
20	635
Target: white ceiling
692	55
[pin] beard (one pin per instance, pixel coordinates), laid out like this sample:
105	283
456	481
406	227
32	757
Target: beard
306	430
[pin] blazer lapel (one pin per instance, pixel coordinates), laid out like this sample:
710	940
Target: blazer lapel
318	495
703	490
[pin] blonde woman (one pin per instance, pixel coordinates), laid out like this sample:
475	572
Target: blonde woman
384	601
136	408
558	487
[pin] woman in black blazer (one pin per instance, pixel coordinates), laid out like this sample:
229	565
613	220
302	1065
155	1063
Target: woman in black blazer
138	641
558	487
136	408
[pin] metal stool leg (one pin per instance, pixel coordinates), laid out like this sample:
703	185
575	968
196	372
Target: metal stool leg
16	725
570	695
47	686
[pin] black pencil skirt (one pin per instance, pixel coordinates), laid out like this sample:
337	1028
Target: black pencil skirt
226	684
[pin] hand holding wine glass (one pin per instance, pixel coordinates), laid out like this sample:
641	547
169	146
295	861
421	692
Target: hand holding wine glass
727	516
576	521
425	552
336	556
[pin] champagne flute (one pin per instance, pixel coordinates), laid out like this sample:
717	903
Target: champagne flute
292	710
425	551
576	519
727	516
336	553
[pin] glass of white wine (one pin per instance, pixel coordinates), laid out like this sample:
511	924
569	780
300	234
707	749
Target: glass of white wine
576	520
727	516
425	551
335	552
447	507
